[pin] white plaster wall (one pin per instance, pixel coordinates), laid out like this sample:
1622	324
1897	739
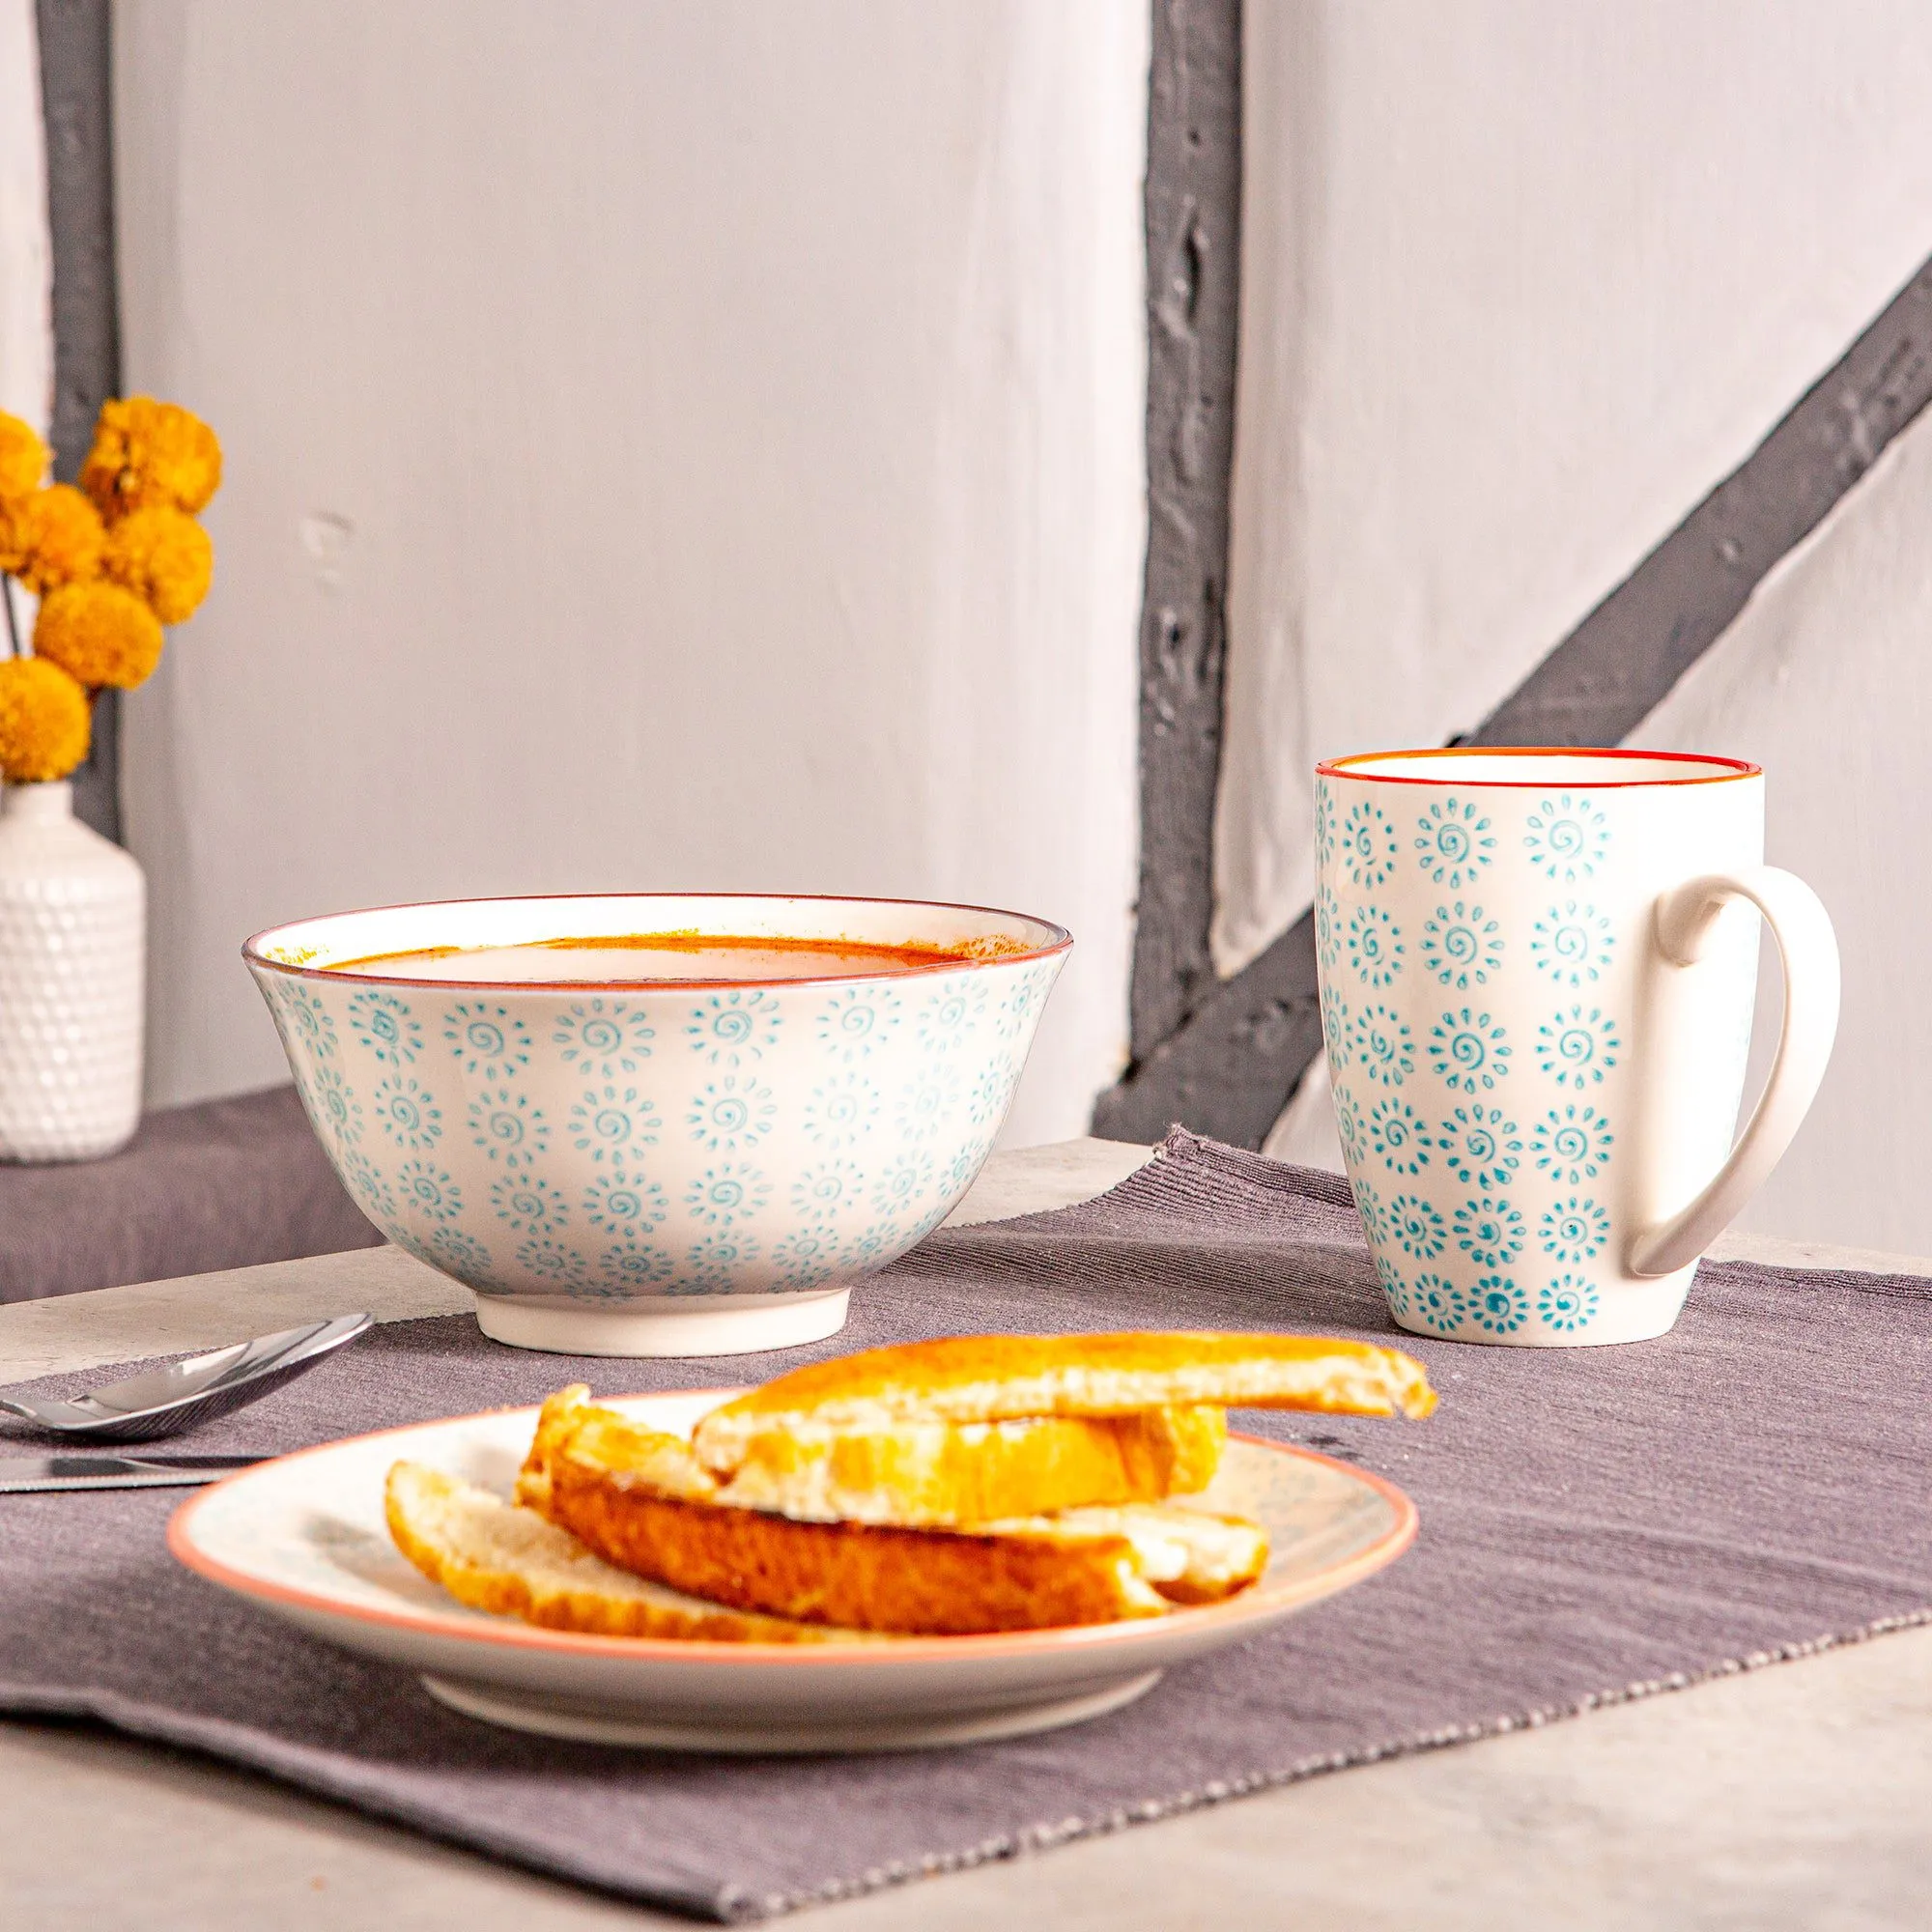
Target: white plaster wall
669	445
1520	282
26	256
1825	681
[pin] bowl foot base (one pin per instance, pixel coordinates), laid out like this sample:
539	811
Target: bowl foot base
692	1324
740	1733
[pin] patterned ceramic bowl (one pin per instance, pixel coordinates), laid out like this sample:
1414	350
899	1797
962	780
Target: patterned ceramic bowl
676	1167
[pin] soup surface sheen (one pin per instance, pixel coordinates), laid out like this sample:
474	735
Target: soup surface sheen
644	958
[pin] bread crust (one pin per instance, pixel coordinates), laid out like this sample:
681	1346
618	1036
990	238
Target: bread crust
495	1556
926	1581
982	1378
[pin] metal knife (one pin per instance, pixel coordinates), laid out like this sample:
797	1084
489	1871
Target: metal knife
22	1474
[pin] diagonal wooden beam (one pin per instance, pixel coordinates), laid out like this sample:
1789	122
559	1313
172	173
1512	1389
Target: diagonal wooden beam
1232	1064
1614	669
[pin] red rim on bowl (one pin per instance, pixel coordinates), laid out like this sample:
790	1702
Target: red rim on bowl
253	955
1258	1598
1731	768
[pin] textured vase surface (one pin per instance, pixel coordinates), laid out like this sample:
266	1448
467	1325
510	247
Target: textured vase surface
72	952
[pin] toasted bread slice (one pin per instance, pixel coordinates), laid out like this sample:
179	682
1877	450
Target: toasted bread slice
619	1487
494	1555
662	1462
986	1379
918	1474
952	1475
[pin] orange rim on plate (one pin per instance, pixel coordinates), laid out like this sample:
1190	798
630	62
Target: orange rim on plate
1257	1599
253	955
1734	768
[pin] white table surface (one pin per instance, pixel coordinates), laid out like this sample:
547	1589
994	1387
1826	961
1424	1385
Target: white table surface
1797	1795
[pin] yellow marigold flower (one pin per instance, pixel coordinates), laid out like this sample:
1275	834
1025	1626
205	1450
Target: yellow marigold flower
59	536
45	721
163	556
23	458
98	634
146	452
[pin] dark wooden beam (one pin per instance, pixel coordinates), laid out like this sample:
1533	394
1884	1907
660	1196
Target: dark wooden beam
1233	1064
77	92
1193	213
1230	1066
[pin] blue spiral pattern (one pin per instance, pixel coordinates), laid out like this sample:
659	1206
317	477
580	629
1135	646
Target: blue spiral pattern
430	1191
1481	1147
488	1041
1573	943
1567	838
312	1023
858	1022
1576	1046
1434	1301
509	1127
1462	945
385	1028
1324	823
334	1107
603	1039
1374	946
1412	1221
1380	1045
528	1204
407	1112
1349	1127
1327	926
1567	1302
734	1029
1470	1051
1496	1303
624	1204
1454	843
1394	1288
714	1264
1368	1207
730	1114
1489	1230
1337	1031
1575	1230
613	1123
679	1140
1571	1145
1369	847
1539	928
1398	1136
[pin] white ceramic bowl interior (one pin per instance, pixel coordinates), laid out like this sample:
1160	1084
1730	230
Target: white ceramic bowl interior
675	1167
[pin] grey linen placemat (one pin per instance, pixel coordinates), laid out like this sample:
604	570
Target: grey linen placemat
221	1185
1596	1524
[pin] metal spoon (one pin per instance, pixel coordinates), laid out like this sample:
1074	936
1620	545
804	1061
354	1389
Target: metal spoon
165	1402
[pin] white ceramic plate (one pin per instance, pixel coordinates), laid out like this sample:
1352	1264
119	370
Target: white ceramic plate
304	1538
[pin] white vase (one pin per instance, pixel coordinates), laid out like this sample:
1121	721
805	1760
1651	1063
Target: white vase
72	949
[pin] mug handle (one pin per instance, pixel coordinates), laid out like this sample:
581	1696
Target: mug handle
1683	919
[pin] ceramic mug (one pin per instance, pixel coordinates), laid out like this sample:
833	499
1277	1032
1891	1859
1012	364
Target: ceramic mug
1537	989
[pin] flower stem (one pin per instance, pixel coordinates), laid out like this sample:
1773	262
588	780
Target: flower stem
13	622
